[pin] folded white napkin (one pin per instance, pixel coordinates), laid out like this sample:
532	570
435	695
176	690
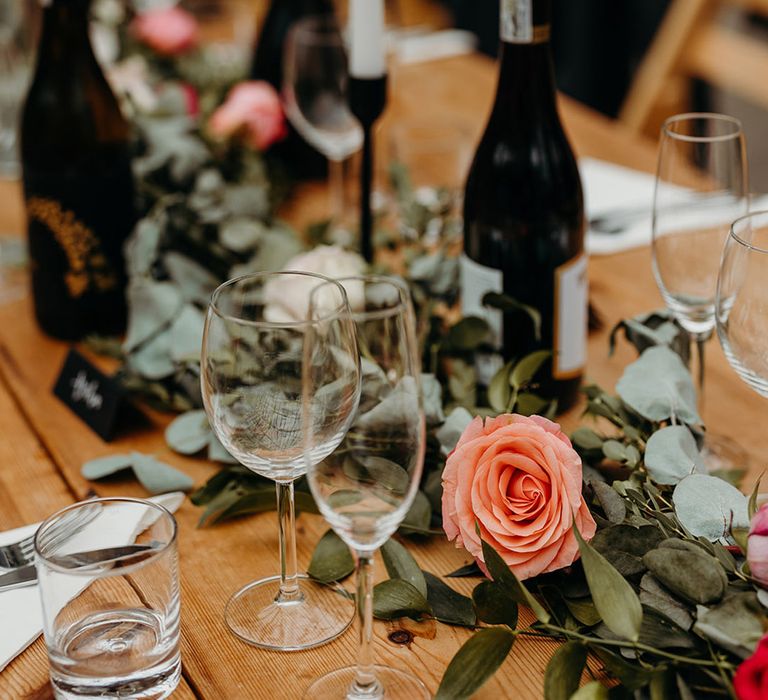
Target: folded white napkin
21	616
624	197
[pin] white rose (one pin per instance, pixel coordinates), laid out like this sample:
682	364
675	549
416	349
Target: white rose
287	298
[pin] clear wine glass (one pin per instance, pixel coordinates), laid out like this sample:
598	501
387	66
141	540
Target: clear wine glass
742	300
365	488
315	78
251	376
701	187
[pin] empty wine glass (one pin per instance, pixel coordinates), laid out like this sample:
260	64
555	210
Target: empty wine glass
701	187
742	300
251	375
315	77
365	488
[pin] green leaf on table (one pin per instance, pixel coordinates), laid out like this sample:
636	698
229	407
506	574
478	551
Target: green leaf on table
331	560
449	606
502	574
591	691
432	397
153	359
530	404
525	370
736	624
395	598
449	432
218	453
240	234
158	477
494	605
507	304
468	570
401	565
100	467
584	610
615	450
195	281
561	679
186	334
624	546
152	306
476	661
709	507
613	596
612	504
671	454
630	675
189	433
468	334
659	387
419	516
654	595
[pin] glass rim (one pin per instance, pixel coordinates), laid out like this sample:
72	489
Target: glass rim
319	30
702	116
378	314
732	232
89	569
339	311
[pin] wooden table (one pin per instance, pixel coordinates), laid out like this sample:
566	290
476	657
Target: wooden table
43	446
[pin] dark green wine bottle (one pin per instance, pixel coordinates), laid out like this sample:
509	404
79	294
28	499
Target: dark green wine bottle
523	214
78	187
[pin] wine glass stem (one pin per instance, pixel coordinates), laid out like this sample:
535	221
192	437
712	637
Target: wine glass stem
286	515
365	684
701	340
336	189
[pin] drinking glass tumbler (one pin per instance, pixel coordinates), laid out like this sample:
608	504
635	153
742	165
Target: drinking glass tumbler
110	599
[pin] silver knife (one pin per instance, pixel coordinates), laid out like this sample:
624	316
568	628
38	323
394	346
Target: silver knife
27	575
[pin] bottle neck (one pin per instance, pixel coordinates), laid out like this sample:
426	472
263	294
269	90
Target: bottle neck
64	37
526	71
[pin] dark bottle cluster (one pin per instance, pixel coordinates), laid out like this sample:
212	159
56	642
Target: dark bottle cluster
78	187
523	211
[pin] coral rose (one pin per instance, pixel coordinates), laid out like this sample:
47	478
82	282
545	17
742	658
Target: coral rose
169	31
253	109
757	546
519	479
751	679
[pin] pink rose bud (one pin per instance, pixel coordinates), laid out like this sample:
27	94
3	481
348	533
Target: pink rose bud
757	546
168	31
519	479
252	110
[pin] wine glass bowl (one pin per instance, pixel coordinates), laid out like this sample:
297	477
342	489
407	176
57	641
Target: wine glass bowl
742	300
254	365
701	187
366	487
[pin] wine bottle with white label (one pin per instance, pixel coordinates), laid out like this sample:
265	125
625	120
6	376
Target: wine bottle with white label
523	214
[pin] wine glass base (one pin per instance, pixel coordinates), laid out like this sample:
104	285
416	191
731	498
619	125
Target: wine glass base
392	685
321	614
722	455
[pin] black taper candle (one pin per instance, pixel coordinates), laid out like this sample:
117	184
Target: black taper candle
367	99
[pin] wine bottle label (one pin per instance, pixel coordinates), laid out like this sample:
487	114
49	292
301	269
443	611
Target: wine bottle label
517	26
87	267
570	328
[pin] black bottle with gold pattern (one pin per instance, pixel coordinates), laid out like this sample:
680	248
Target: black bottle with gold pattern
78	188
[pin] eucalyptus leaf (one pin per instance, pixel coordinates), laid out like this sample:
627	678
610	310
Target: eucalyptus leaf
671	454
401	565
530	404
587	439
449	606
613	596
612	504
419	515
186	335
218	453
397	598
656	596
658	387
158	477
563	673
615	450
153	359
709	507
432	396
152	306
504	576
195	281
449	432
331	560
696	577
468	334
241	234
476	661
591	691
106	466
736	624
624	546
189	433
494	605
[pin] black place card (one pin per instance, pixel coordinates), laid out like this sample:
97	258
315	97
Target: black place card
93	396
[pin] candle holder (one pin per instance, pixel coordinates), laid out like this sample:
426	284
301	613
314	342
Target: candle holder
367	100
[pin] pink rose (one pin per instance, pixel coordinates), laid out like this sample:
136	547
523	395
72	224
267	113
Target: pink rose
757	546
520	479
168	31
253	110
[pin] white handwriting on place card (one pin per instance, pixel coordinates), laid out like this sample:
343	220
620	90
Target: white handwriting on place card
87	392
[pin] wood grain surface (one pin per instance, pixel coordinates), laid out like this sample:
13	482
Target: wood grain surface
43	446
